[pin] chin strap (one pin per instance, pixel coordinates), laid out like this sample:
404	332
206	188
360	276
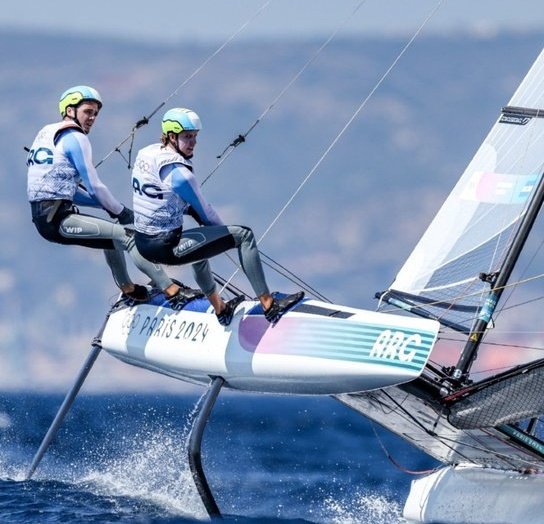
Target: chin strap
76	120
178	150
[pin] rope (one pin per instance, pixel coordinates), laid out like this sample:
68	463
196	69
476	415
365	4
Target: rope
350	121
242	138
278	268
496	288
454	447
289	275
145	120
395	462
346	126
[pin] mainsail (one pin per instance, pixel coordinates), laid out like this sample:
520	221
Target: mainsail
460	267
449	274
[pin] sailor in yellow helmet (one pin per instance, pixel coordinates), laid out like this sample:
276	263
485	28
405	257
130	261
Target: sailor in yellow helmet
61	173
164	190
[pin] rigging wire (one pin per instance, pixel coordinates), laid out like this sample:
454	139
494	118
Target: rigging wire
289	275
266	259
468	295
410	417
222	157
395	462
504	345
242	137
235	290
507	459
527	266
352	118
145	120
346	126
278	268
445	440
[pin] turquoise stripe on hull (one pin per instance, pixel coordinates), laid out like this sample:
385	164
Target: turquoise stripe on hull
333	339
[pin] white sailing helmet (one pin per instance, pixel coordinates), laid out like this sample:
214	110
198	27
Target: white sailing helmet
180	119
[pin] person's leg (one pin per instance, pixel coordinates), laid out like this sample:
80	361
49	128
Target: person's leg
202	273
207	241
86	230
48	217
157	250
117	263
154	271
250	260
200	244
196	245
92	231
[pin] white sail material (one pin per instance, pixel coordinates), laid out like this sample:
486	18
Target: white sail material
473	230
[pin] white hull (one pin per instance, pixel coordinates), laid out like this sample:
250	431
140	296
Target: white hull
317	348
476	495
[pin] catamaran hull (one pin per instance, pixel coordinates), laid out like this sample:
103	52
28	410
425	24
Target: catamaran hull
475	495
316	348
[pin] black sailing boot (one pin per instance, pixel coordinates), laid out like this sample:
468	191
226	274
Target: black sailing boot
139	294
280	306
183	296
225	317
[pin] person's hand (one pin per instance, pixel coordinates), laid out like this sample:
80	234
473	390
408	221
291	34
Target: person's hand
126	216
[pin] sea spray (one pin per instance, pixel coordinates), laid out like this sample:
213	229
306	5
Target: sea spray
362	507
152	467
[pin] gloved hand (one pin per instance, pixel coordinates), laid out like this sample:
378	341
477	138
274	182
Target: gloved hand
126	216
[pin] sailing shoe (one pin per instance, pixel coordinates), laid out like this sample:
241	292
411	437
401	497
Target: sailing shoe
225	317
140	294
183	296
280	306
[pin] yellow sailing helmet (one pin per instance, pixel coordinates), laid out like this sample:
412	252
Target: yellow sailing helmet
77	94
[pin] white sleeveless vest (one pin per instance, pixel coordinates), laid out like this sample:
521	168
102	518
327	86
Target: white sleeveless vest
51	176
157	208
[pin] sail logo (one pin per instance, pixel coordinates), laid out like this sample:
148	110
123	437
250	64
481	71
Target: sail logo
499	188
514	119
396	345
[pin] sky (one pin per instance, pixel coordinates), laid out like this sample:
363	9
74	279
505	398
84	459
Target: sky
209	21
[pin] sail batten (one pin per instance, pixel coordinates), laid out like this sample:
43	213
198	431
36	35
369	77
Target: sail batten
522	111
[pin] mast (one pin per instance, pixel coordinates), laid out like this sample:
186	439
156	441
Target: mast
499	281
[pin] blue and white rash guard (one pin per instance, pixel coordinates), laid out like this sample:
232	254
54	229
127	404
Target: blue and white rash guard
164	187
59	162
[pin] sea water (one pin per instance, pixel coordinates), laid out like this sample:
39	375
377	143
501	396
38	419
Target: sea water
123	458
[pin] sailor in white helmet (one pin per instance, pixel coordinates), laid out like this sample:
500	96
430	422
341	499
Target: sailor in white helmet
61	173
165	189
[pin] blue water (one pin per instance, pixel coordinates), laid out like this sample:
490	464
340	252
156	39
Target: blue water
123	458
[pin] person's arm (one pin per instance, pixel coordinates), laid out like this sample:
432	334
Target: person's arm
78	149
83	198
185	186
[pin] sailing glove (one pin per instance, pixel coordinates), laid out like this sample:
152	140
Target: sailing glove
125	217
